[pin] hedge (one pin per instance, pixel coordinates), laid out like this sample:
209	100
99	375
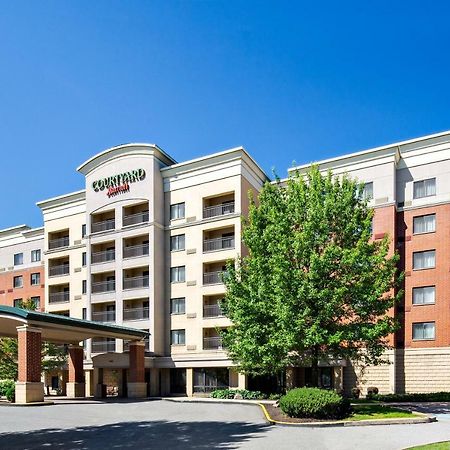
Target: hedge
315	403
231	393
420	397
8	389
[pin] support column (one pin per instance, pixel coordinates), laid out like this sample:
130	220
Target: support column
75	386
290	378
155	389
29	387
137	387
189	381
242	381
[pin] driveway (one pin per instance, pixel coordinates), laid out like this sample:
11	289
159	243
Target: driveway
160	424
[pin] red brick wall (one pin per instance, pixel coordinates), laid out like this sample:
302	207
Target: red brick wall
29	364
137	368
8	293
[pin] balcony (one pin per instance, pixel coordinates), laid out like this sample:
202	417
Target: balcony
58	243
103	256
136	282
134	251
59	297
104	316
213	277
136	314
212	343
134	219
218	206
103	347
126	345
58	270
104	225
212	310
220	243
100	287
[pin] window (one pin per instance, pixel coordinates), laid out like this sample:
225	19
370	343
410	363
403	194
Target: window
367	193
84	314
424	224
83	230
177	305
17	302
424	188
424	295
35	255
84	286
177	211
18	259
35	279
423	331
18	281
36	301
177	242
178	337
83	259
177	274
424	260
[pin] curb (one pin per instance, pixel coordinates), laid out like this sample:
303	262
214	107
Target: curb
26	405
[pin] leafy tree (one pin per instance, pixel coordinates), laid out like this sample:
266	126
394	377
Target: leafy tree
314	285
53	356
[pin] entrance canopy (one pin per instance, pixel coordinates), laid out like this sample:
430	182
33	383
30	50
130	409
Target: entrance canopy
62	329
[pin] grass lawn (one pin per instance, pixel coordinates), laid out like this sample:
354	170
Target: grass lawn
376	411
437	446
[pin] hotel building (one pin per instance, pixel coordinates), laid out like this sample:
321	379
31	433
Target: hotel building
145	242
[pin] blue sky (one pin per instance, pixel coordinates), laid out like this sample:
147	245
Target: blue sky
290	81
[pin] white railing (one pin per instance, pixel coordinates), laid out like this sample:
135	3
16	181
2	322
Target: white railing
136	282
212	311
136	250
58	243
213	277
104	316
103	286
136	314
103	256
212	343
108	224
59	297
221	243
103	347
133	219
218	210
58	271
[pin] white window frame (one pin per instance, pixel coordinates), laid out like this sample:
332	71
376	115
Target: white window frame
367	193
423	325
18	277
19	257
38	277
419	221
423	253
177	211
177	270
419	295
180	303
178	337
177	243
428	185
36	255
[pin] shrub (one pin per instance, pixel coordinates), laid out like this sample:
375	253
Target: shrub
371	391
223	393
315	403
231	393
5	385
356	392
11	394
420	397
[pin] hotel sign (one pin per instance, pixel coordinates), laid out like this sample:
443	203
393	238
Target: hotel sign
118	184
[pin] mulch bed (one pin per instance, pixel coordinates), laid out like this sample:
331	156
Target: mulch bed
278	415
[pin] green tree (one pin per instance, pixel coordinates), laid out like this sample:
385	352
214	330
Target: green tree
314	286
53	356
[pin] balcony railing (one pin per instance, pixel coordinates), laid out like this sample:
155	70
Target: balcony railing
212	311
221	243
104	316
136	314
126	345
218	210
58	271
103	286
59	297
136	282
133	219
103	347
212	343
58	243
104	225
104	256
213	277
136	250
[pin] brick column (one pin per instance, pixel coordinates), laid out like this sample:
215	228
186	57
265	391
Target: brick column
29	387
75	385
137	387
